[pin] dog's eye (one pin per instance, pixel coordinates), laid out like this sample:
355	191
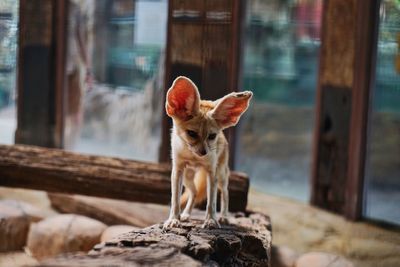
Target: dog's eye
192	134
212	136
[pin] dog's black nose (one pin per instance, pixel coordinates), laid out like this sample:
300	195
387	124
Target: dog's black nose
203	152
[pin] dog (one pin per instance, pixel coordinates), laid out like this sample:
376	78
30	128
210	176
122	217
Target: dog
200	150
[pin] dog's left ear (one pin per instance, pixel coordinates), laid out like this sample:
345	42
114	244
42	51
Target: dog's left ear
228	110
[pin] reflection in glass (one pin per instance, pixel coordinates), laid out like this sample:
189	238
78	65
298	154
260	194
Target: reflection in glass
114	73
8	55
280	67
383	165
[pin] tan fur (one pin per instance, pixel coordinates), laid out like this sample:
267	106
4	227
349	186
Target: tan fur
199	148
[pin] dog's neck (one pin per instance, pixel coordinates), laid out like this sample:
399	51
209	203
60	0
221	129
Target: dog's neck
184	155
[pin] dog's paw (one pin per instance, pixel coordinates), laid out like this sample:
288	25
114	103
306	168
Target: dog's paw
171	223
185	217
210	223
224	220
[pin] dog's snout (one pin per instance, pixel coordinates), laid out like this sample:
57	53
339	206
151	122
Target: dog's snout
203	152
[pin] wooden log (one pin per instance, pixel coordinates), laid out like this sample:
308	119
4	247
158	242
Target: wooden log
246	241
55	170
110	211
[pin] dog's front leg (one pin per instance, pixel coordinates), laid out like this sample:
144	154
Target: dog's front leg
211	210
176	190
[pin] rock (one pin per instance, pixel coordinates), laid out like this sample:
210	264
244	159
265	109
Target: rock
116	230
16	258
15	218
283	256
321	259
245	241
35	214
63	233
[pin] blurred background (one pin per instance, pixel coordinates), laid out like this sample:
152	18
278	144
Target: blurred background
121	55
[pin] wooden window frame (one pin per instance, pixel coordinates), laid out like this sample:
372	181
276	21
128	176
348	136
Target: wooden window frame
41	73
233	79
346	195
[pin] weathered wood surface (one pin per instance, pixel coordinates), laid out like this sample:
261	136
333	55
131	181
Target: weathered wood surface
343	101
110	211
55	170
210	54
41	42
246	241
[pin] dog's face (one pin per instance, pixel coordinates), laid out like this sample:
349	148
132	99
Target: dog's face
199	122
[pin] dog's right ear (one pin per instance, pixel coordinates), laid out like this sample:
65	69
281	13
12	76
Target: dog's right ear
183	99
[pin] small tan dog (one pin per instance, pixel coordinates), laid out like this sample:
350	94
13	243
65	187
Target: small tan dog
199	149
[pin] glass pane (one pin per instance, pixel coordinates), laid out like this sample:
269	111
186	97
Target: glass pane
383	167
115	77
280	67
8	56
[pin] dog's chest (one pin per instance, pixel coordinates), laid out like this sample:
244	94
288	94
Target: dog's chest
188	159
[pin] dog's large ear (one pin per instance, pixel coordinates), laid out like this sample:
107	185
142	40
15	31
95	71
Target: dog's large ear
228	110
183	99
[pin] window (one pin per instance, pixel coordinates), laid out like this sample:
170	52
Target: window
115	77
8	56
280	66
383	165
